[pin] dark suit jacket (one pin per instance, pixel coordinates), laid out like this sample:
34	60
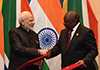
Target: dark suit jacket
24	47
82	47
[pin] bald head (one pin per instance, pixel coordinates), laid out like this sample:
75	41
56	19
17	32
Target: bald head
71	19
72	15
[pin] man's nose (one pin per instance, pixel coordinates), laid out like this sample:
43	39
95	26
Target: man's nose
33	22
65	24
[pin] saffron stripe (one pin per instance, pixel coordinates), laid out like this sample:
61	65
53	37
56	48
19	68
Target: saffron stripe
51	9
93	21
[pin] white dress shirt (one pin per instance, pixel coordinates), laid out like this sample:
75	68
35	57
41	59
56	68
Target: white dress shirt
74	30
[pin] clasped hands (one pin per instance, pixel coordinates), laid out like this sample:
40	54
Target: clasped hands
42	52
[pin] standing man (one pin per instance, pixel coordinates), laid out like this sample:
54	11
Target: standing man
81	47
24	43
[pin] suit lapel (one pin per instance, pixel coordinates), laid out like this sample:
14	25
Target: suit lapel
76	35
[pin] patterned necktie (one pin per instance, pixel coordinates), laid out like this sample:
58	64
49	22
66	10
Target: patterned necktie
68	40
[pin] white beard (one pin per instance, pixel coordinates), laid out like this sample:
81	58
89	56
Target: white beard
28	27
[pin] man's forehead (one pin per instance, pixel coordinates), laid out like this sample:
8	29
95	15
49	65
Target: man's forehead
29	17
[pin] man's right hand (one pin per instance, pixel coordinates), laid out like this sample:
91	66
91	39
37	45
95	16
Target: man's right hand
43	52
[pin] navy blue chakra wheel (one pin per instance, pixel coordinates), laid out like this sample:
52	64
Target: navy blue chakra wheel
47	38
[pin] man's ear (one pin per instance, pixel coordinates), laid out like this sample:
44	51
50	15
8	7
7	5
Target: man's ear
22	21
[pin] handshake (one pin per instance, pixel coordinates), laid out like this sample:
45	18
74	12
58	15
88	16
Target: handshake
44	52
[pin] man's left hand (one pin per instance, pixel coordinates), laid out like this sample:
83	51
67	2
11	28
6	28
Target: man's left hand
39	63
80	61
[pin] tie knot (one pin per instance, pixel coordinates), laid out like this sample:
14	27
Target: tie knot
71	30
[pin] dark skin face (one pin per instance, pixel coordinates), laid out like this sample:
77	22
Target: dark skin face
71	19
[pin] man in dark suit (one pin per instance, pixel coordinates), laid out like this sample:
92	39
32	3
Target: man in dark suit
82	47
24	43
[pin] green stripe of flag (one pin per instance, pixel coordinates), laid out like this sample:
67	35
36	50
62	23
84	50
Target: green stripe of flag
77	6
9	19
45	66
96	65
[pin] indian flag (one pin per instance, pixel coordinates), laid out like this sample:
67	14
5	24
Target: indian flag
49	22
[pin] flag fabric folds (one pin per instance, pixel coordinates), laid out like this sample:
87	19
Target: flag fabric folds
48	24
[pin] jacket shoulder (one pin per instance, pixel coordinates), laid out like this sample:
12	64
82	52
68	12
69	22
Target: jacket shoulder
85	28
13	30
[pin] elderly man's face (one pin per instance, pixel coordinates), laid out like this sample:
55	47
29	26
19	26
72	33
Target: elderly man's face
29	22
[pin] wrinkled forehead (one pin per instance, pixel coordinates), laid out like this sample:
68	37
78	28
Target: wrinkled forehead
29	16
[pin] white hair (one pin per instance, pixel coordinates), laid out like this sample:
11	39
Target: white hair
23	16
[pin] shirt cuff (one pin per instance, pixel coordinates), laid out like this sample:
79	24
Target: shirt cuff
85	66
40	67
38	51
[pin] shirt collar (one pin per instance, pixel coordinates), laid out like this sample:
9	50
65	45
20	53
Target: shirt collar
24	29
74	29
